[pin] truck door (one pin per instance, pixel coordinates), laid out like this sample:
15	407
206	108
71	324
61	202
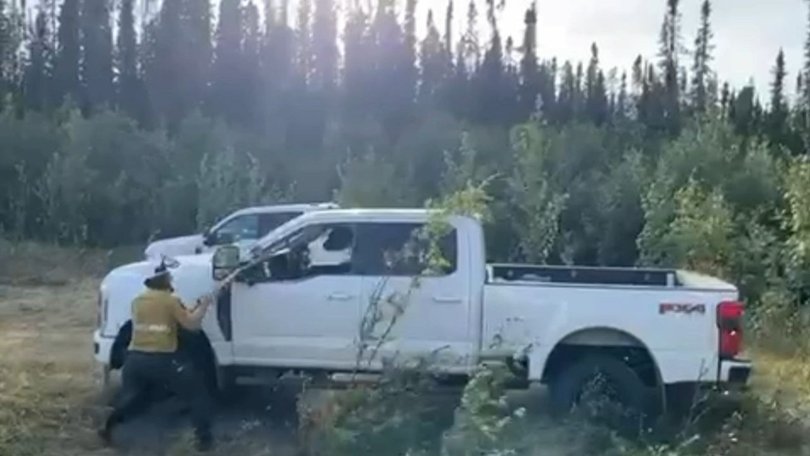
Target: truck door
303	315
407	315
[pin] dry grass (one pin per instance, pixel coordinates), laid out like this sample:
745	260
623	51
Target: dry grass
46	372
49	403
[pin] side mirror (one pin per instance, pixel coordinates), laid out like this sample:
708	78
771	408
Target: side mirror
219	238
224	261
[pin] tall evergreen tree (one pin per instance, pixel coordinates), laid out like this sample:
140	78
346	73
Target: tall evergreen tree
304	55
325	47
566	102
530	83
5	39
66	71
778	103
97	55
470	49
778	114
130	90
37	73
701	72
490	78
596	100
410	76
358	63
803	81
448	26
669	53
622	99
196	22
226	87
250	68
391	86
433	63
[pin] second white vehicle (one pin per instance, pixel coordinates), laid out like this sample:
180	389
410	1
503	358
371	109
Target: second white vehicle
243	228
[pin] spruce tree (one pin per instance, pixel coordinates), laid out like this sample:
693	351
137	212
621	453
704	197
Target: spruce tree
358	63
5	40
325	47
566	102
701	72
596	101
669	53
408	65
226	87
130	95
304	52
803	81
530	80
37	72
448	26
490	78
622	99
250	68
97	55
197	50
432	63
778	114
66	70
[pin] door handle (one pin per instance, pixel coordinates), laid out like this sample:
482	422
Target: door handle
446	300
340	297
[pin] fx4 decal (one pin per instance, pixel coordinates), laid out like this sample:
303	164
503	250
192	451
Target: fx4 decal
688	309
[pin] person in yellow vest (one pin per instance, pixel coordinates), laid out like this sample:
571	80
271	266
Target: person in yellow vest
153	361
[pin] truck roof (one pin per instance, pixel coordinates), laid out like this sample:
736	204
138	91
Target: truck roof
358	215
272	209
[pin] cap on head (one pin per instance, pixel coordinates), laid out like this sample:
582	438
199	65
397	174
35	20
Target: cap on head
161	279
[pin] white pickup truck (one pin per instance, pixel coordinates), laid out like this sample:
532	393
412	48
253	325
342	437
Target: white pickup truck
243	227
653	333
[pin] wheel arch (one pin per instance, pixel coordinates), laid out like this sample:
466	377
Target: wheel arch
602	339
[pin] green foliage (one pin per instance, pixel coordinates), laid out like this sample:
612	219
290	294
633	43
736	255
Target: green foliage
369	180
797	221
538	206
700	235
484	424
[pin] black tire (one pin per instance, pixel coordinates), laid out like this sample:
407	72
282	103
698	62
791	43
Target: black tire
628	401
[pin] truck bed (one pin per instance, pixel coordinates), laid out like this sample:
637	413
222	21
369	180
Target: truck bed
603	276
581	275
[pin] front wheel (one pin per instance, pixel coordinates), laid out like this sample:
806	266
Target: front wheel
602	389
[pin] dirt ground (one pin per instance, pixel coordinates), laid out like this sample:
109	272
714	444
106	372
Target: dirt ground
49	391
48	381
50	402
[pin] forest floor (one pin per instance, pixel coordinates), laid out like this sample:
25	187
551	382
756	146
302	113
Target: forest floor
50	402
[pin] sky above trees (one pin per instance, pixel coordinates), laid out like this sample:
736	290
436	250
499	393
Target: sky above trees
747	32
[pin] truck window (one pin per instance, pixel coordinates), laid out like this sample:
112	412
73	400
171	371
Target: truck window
313	251
244	227
269	222
399	249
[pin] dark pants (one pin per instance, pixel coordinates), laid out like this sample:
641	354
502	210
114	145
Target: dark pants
145	373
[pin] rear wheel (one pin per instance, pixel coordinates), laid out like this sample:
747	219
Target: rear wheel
603	389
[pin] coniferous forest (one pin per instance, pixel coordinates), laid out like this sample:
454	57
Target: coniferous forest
126	120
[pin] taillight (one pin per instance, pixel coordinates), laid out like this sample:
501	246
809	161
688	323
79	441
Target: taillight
730	325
